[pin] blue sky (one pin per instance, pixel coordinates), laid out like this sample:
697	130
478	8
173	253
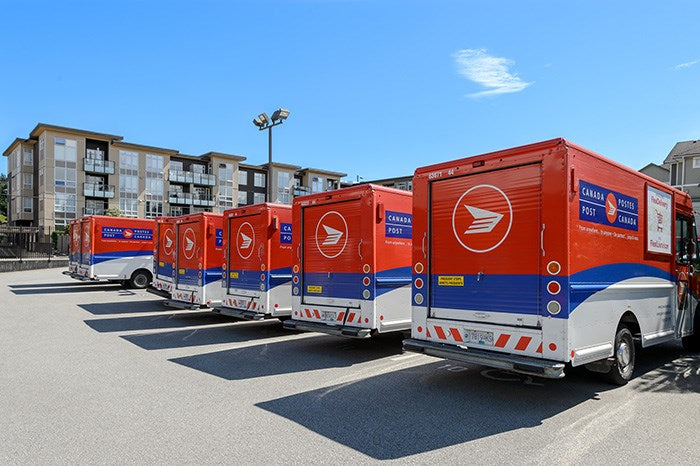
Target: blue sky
375	88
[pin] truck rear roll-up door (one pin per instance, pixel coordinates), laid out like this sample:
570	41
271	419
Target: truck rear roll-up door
246	255
485	247
332	259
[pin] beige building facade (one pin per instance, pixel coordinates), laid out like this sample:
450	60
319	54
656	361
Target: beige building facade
59	174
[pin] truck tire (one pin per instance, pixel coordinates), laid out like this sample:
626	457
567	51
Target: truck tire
624	355
692	342
140	279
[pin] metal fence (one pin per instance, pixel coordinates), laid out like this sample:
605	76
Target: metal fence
27	243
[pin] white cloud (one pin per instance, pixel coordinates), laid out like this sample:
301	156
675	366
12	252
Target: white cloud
491	72
687	64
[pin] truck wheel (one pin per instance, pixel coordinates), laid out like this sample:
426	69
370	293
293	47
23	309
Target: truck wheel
623	357
140	279
692	342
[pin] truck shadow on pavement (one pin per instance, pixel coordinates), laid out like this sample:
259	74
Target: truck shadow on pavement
70	288
667	368
125	307
234	333
51	285
160	321
440	404
292	356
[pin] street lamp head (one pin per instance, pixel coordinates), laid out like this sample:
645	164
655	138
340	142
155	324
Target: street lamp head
280	114
258	123
264	118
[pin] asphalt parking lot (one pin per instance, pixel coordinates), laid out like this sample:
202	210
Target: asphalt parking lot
94	373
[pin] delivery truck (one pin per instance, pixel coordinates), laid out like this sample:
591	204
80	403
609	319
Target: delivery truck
163	257
74	230
547	255
114	249
351	253
198	261
257	276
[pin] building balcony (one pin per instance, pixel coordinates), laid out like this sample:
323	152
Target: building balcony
98	166
180	198
301	190
93	211
105	191
182	176
203	201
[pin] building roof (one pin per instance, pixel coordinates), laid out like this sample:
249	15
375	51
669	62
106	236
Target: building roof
14	144
40	127
324	172
653	165
132	145
683	149
223	155
282	165
389	180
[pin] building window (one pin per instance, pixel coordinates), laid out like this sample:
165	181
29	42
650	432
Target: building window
42	144
696	162
674	174
154	209
27	205
317	184
155	186
28	157
259	180
128	183
27	181
226	188
65	174
283	180
258	198
197	168
176	165
242	198
242	177
16	159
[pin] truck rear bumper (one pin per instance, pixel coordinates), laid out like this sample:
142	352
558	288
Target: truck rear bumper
340	330
183	305
511	362
241	313
157	292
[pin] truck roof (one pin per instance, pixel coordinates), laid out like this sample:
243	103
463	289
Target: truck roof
360	188
550	143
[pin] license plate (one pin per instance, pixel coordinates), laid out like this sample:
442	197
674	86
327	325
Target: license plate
478	337
328	315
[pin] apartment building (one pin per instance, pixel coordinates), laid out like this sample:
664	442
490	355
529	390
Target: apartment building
404	183
683	163
59	174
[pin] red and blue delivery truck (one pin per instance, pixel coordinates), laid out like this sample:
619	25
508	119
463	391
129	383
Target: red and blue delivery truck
257	276
74	232
114	249
532	258
351	256
198	261
164	257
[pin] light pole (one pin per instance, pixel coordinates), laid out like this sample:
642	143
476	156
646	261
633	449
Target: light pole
264	122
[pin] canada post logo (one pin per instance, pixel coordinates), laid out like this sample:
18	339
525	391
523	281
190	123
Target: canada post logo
169	241
607	207
189	243
482	218
245	238
76	236
331	234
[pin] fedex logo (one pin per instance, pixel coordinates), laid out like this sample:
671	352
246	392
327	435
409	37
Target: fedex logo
482	218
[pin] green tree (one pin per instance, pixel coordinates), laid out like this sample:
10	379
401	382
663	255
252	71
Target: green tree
3	198
113	212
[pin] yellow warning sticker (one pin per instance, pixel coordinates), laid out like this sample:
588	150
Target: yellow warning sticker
314	289
161	263
181	271
450	280
233	275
